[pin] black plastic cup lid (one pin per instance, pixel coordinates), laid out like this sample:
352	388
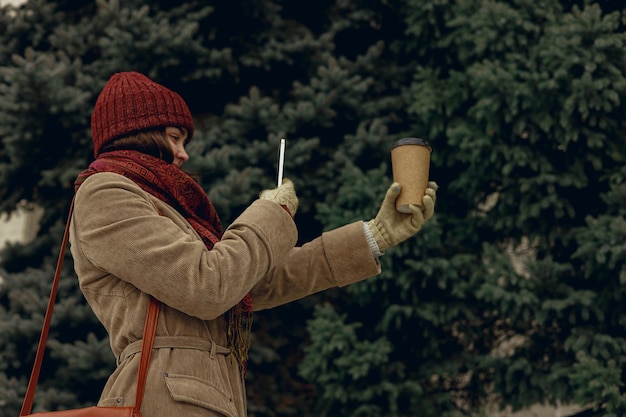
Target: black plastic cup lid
412	141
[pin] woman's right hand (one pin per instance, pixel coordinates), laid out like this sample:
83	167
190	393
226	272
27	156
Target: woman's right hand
284	195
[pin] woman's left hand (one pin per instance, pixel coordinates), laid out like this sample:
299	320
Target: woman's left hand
390	227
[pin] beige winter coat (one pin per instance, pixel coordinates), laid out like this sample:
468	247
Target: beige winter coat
124	250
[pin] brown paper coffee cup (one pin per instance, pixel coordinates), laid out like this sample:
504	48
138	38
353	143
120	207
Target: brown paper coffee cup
410	162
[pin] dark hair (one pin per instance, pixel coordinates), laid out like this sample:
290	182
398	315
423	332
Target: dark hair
152	142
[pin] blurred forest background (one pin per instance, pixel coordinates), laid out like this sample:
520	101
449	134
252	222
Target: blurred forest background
512	294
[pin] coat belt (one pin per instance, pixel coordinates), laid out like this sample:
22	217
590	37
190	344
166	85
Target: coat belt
175	342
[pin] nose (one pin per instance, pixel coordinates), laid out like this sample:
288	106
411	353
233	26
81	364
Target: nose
181	154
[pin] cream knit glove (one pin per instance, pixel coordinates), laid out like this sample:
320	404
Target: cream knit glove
285	195
390	227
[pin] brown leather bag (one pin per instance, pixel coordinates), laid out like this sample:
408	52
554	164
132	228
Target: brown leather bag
94	411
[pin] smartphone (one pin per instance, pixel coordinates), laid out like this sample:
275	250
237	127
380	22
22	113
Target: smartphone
281	161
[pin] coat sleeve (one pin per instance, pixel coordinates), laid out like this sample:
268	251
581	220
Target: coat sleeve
337	258
117	227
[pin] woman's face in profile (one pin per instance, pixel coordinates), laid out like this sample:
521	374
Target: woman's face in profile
177	138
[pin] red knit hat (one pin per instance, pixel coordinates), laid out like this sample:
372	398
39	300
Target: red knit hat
131	102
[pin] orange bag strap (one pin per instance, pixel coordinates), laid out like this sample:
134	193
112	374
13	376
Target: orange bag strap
149	332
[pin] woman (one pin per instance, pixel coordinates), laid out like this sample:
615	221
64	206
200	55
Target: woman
142	227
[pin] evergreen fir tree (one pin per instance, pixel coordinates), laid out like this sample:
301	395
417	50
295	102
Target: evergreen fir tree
513	288
316	76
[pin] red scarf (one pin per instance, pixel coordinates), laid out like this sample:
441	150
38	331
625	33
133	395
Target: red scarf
170	184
